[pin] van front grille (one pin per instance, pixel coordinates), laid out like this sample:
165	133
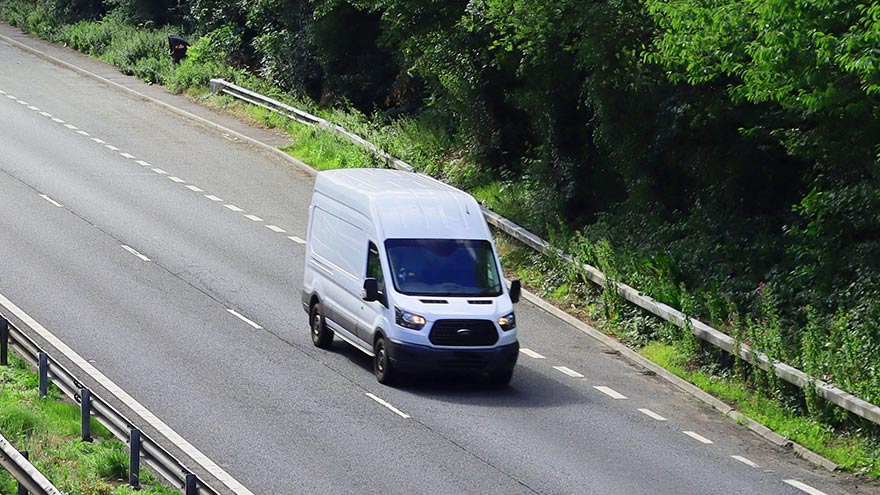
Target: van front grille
463	333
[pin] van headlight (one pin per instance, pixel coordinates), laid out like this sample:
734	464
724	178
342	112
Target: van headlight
408	320
507	323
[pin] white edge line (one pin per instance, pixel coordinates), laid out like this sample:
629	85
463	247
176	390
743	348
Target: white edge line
804	487
652	414
54	203
389	406
568	371
530	353
128	400
698	437
242	318
610	392
744	461
134	252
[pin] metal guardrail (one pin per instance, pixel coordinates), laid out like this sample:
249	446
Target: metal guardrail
162	462
28	477
704	332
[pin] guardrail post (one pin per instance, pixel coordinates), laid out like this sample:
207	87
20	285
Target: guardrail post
44	374
85	396
134	466
21	489
191	484
4	341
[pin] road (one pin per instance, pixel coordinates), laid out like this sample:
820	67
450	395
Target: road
168	253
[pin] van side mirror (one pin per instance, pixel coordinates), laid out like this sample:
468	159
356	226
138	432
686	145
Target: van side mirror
371	290
515	290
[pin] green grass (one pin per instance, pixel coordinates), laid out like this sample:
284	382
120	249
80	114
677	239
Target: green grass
49	429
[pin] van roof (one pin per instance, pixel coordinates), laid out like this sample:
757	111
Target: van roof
406	205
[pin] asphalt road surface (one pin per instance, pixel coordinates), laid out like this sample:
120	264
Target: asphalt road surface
169	254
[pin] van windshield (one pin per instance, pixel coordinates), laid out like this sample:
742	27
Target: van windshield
443	267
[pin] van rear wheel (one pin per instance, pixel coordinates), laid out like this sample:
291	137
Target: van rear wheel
382	367
321	335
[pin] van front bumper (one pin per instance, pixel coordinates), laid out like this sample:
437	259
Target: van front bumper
418	358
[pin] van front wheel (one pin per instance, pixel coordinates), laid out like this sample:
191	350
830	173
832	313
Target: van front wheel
321	335
382	363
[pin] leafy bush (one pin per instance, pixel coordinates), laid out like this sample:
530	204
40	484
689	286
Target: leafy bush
94	38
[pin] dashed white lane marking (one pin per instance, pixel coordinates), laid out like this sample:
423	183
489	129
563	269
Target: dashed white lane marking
132	251
244	319
99	141
57	120
652	414
22	102
212	197
128	400
254	218
176	179
296	239
804	487
111	147
83	133
127	155
568	371
195	188
698	437
389	406
11	97
143	163
71	127
2	92
744	461
275	228
45	114
52	201
31	107
530	353
160	171
233	208
610	392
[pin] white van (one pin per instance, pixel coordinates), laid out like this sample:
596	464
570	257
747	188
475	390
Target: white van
403	267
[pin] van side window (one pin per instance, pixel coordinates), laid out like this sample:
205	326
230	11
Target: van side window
374	268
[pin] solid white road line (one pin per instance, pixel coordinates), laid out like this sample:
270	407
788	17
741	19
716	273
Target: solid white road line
530	353
242	318
212	197
176	179
50	200
160	171
389	406
275	228
698	437
609	392
804	487
568	371
132	251
744	461
296	239
233	207
128	400
127	155
254	218
195	188
652	414
143	163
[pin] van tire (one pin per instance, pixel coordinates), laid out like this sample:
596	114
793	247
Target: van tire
321	335
500	378
382	367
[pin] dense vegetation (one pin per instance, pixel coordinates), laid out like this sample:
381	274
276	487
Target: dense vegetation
721	156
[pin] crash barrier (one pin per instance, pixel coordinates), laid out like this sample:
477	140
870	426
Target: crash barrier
140	445
704	332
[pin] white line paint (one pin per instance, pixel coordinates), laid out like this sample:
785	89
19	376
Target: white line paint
11	97
160	171
132	251
275	228
22	102
176	179
71	127
195	188
530	353
389	406
83	133
111	147
52	201
57	120
233	207
744	461
568	371
31	107
128	400
143	163
804	487
242	318
127	155
610	392
45	114
296	239
698	437
212	197
99	141
254	218
2	92
652	414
